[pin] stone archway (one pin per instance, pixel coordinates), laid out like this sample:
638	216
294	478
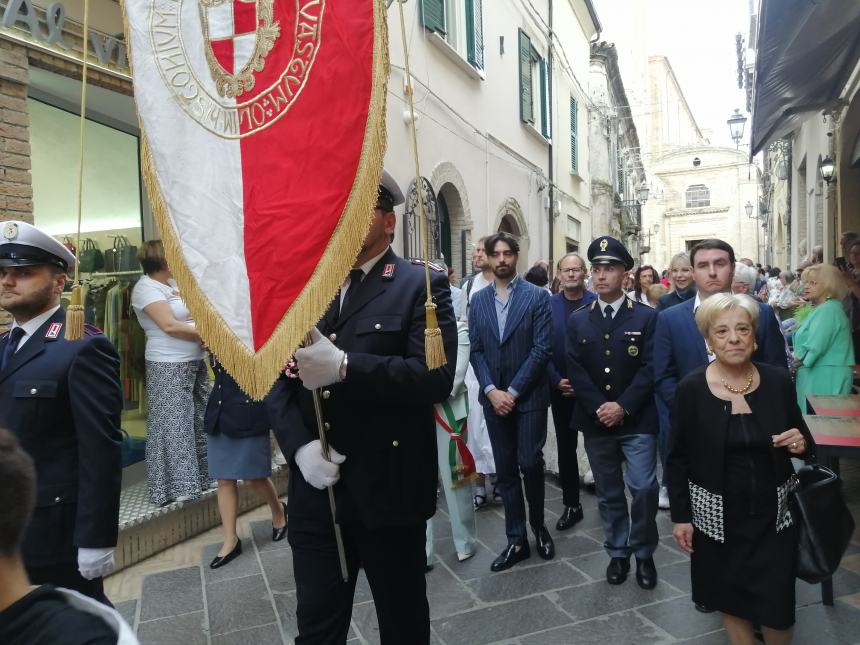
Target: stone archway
452	189
509	218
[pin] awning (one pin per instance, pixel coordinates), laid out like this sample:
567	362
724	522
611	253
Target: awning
805	53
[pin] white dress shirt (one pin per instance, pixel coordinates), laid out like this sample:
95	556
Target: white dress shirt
616	305
32	326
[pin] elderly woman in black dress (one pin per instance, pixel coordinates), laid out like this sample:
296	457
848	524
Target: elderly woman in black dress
735	427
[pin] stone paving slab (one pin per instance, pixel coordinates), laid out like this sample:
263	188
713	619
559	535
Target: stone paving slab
567	600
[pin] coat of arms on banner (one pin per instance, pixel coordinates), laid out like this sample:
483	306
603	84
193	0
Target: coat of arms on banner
263	134
238	35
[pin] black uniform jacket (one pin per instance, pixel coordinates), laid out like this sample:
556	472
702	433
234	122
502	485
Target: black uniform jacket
62	399
381	416
230	411
611	361
699	424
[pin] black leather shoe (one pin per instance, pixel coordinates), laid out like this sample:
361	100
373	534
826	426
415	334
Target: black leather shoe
616	572
646	573
570	516
701	608
545	545
279	534
509	557
220	561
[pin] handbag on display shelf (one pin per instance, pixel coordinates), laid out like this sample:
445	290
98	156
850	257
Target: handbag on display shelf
122	256
825	524
67	242
91	257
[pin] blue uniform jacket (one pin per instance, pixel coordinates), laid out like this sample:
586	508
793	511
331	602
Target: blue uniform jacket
381	416
518	360
62	399
679	347
557	366
611	361
230	411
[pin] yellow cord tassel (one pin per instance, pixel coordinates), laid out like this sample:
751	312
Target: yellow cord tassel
75	316
434	346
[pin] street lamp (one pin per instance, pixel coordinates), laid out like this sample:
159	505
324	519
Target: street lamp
827	167
749	209
642	192
737	122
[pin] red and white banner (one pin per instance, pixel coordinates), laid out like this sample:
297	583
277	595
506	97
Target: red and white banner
264	133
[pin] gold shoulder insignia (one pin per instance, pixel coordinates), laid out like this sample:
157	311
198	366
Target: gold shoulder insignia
629	303
593	305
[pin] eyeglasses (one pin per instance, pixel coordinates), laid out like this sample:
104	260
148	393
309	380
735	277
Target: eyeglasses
573	270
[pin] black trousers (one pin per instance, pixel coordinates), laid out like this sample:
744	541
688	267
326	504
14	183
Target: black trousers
393	560
517	441
567	439
66	574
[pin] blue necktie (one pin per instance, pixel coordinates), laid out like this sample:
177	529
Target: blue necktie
11	345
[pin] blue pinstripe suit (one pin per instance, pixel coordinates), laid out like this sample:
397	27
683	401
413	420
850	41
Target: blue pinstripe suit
515	361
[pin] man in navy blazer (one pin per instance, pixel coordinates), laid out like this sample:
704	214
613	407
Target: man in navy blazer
572	296
62	400
509	329
679	347
609	351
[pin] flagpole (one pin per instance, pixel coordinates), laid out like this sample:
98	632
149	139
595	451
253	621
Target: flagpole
338	535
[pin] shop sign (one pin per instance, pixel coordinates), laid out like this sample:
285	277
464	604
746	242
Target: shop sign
20	17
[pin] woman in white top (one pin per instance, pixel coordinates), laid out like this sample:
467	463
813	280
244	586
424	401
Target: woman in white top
177	384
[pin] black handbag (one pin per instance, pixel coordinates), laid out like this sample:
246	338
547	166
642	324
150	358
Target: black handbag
825	524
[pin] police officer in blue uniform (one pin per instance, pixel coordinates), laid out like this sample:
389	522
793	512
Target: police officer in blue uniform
609	346
62	399
377	399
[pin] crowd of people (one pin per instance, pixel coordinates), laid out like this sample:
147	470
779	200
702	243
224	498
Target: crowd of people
665	373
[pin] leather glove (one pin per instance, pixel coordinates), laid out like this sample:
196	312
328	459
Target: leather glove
95	563
319	363
318	471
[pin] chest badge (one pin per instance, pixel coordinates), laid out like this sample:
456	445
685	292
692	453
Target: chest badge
633	350
54	330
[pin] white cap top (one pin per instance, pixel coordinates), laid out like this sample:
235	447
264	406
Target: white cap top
22	244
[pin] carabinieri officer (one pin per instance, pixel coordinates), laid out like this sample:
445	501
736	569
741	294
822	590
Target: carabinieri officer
62	399
609	345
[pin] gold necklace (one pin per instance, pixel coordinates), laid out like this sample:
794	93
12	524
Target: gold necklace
739	390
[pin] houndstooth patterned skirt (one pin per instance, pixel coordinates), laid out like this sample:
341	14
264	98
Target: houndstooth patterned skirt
176	461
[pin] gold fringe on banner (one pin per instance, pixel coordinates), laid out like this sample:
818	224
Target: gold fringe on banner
256	372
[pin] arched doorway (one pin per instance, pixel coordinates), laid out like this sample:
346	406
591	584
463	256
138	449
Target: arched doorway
457	246
443	218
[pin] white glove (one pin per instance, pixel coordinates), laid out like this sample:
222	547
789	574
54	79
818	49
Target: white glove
94	563
320	363
318	471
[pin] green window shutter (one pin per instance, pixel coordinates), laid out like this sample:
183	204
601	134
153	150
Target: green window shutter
544	108
475	33
433	15
574	152
526	100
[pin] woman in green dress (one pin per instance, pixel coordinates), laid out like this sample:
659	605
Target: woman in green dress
823	350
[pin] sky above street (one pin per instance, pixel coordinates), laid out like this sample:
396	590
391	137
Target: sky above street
698	38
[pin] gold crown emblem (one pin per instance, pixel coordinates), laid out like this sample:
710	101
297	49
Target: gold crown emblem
603	244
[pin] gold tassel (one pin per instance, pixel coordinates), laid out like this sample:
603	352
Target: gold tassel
75	316
434	346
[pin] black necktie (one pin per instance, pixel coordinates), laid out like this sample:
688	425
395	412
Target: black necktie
355	277
607	312
12	341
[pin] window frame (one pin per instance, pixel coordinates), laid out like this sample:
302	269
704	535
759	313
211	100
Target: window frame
697	196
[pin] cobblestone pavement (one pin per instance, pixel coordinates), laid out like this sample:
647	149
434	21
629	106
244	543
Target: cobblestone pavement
566	600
